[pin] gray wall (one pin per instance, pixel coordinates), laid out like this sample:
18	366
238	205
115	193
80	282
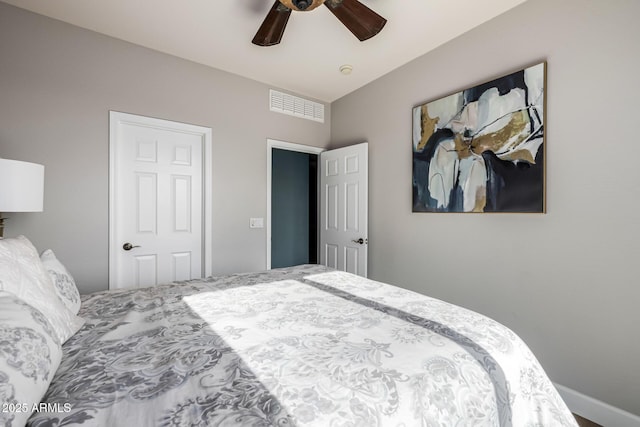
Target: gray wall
566	281
57	85
289	208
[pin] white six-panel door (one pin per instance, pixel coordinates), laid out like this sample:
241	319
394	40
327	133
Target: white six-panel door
343	208
157	201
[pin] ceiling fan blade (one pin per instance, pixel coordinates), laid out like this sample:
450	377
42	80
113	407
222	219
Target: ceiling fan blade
363	22
272	28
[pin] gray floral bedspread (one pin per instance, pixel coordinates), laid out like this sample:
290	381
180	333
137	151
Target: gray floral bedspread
306	346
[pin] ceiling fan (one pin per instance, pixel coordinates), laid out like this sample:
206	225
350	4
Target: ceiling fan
363	22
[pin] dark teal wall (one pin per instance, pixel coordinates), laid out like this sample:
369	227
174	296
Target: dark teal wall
289	208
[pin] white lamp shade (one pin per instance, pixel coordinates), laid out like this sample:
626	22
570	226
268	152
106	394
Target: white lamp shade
21	186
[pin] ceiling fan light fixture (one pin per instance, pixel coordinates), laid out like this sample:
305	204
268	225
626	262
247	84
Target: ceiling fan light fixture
302	4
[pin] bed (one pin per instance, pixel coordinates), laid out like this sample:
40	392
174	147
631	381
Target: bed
298	346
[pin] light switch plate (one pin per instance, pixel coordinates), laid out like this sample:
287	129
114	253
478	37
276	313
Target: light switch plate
256	222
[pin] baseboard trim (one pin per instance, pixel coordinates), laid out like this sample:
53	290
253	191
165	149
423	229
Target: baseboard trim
596	410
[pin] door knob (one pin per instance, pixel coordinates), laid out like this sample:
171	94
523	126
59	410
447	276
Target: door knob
361	241
128	246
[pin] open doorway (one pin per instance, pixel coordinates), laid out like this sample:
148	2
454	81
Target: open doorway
292	204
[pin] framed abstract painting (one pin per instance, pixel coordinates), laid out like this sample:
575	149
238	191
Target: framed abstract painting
482	149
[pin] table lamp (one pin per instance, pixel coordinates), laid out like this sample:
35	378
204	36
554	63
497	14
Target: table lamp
21	188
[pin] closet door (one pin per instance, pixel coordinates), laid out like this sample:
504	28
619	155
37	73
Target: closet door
157	201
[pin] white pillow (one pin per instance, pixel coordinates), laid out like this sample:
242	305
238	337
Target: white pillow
22	274
62	280
29	356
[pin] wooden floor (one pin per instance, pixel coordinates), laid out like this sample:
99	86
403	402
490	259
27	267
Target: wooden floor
582	422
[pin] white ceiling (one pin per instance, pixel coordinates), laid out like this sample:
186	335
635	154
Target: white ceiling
218	33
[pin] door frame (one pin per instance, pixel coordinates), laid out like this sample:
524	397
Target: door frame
117	117
290	146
